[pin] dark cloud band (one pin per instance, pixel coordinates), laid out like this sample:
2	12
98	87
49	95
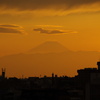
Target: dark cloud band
9	26
53	31
44	4
48	31
11	29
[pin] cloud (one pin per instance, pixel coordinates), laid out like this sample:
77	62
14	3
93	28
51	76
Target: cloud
48	7
53	26
10	26
11	29
53	31
44	4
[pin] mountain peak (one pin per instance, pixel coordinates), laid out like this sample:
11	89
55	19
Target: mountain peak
49	47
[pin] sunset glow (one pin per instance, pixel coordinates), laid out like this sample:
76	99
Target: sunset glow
29	24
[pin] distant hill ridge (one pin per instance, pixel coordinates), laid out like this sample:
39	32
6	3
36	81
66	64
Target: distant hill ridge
37	63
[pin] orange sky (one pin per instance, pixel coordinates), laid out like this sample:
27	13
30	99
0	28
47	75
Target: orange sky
24	24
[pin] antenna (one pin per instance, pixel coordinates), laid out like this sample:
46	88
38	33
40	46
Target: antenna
3	69
3	72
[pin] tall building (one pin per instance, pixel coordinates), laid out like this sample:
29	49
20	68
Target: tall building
90	80
98	63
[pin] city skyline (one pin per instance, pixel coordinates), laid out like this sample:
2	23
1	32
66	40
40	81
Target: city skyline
84	86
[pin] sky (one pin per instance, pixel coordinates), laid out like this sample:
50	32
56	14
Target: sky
24	24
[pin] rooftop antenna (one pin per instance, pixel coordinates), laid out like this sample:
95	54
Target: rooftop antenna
3	72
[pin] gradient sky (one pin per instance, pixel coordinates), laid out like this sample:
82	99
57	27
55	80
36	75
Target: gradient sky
74	23
25	24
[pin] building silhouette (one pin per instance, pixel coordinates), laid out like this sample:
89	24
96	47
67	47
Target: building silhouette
89	79
84	86
98	63
3	73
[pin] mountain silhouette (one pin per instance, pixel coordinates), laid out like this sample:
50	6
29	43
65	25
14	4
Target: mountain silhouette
49	47
47	58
